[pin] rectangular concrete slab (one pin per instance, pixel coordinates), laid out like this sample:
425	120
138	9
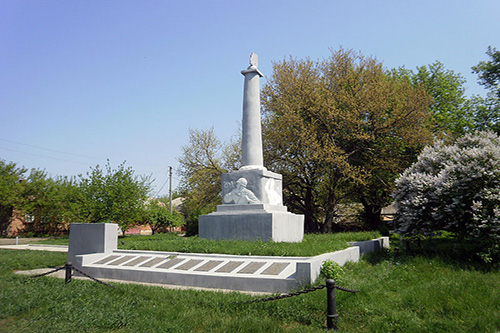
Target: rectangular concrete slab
106	260
276	268
171	263
229	267
121	260
190	264
208	266
153	262
137	261
251	267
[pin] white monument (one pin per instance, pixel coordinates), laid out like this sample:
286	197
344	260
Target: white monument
252	197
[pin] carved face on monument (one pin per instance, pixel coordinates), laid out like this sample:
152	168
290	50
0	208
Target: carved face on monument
241	183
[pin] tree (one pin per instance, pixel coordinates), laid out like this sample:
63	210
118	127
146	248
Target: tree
114	195
486	110
201	166
159	217
454	188
53	203
451	116
11	178
339	128
489	71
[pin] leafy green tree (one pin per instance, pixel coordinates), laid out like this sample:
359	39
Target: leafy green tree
451	116
53	203
201	166
340	128
159	217
489	71
114	195
486	110
11	187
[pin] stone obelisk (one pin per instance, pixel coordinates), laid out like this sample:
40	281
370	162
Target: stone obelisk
251	140
252	197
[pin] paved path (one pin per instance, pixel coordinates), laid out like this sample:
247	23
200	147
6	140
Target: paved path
36	247
20	240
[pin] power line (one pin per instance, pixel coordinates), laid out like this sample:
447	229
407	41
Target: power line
161	188
52	150
38	155
64	152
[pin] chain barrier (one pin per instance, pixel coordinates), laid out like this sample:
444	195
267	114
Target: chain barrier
273	298
297	293
50	272
331	317
69	271
92	278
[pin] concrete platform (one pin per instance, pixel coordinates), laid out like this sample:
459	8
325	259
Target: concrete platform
217	271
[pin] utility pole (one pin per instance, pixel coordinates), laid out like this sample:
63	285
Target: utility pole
170	191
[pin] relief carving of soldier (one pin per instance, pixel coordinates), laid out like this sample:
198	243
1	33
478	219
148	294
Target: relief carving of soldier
241	195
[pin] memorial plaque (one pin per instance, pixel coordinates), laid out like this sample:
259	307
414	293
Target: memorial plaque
106	260
137	261
229	267
251	267
171	263
121	260
275	268
209	265
152	262
190	264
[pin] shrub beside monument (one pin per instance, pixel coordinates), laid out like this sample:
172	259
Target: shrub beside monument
455	188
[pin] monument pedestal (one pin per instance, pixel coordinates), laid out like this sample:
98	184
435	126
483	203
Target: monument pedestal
252	222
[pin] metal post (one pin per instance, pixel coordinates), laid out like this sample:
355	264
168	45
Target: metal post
331	310
69	270
170	190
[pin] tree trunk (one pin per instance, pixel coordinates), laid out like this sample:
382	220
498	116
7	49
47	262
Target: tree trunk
372	214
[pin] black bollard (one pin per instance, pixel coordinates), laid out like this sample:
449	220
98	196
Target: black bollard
331	309
69	270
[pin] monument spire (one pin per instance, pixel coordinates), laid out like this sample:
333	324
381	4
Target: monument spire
252	197
251	143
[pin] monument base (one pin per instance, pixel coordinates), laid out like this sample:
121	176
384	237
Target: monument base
252	222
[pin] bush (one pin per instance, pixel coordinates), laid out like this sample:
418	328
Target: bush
455	188
331	270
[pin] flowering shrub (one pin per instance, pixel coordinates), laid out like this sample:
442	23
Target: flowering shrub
454	188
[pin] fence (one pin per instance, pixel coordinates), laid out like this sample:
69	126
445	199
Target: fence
330	285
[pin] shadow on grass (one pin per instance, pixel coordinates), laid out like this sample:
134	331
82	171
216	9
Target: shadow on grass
452	252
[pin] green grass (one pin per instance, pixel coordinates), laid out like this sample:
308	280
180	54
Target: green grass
313	244
433	289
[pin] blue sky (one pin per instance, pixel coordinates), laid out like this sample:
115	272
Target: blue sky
86	81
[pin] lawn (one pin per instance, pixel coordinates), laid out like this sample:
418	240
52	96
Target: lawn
313	244
435	289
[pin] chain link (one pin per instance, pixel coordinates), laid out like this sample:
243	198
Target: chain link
92	278
297	293
50	272
345	289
